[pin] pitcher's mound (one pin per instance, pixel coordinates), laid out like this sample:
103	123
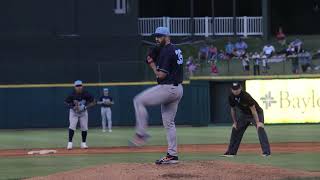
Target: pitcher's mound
220	170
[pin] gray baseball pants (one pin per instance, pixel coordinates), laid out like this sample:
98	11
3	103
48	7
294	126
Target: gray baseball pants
75	117
168	96
106	114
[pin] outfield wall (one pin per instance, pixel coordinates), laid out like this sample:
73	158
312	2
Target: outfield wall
41	106
284	99
295	99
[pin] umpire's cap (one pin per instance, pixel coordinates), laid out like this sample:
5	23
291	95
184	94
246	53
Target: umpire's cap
236	86
162	31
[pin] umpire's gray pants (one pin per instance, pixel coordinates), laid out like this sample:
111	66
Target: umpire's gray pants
75	117
168	96
106	114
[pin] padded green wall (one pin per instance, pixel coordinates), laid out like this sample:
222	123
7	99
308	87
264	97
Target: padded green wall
44	108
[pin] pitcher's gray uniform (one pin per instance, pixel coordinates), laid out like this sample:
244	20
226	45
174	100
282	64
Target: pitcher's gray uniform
167	93
78	101
106	102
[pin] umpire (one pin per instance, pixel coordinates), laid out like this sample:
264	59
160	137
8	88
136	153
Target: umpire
251	113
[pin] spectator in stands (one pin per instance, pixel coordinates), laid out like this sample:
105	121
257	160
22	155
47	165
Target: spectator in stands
316	55
240	48
263	58
295	64
256	63
281	37
191	66
268	50
203	53
212	53
290	50
304	60
297	45
229	48
221	55
246	64
214	68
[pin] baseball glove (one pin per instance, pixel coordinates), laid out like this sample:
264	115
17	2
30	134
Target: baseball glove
107	102
78	107
153	54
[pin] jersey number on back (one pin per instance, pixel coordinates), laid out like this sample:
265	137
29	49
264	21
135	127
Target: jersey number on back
180	57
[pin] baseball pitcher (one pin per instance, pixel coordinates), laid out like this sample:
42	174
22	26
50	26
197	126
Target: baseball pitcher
251	113
78	102
106	102
166	61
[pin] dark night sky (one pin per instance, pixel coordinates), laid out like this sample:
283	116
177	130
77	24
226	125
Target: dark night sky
181	8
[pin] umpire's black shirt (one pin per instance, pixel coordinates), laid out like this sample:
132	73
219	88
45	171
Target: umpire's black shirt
170	61
244	101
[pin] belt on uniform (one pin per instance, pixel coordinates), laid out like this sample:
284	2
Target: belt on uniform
174	84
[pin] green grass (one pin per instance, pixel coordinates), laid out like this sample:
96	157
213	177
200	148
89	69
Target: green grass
53	138
18	167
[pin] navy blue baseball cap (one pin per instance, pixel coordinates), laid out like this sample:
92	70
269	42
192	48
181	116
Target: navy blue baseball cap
162	31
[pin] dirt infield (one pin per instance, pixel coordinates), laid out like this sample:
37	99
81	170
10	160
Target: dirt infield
218	170
203	148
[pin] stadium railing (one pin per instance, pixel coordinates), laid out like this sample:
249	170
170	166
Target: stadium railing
202	26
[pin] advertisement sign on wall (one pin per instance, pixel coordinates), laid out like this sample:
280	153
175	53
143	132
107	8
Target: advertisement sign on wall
287	101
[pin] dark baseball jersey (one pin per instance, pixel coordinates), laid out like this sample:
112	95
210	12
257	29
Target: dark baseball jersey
170	61
244	101
106	98
83	98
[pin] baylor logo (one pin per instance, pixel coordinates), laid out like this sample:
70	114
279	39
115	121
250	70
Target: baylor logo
268	100
287	100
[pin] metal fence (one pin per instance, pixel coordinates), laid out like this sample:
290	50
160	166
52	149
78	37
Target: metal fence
202	26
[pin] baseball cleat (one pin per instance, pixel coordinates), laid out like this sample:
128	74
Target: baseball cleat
139	140
168	159
103	130
110	130
69	146
266	155
84	145
228	155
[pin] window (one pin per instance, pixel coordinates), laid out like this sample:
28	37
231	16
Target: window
120	6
